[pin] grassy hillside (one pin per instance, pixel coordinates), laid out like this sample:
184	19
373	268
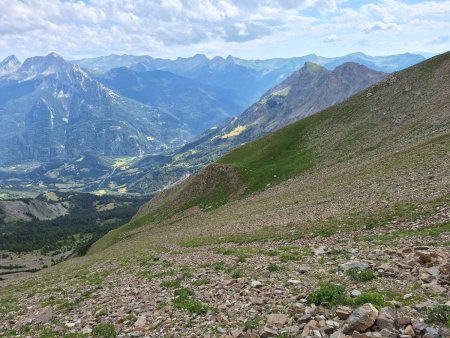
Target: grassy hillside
396	116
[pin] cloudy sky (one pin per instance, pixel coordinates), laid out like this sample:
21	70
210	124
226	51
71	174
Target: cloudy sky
244	28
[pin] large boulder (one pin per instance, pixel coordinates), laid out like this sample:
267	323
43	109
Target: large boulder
362	318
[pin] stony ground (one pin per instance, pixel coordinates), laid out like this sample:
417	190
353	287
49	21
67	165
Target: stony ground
260	289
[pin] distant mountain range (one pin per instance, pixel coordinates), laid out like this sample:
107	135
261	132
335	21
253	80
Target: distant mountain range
248	78
134	123
307	91
52	110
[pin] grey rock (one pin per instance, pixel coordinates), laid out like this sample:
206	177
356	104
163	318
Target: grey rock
355	293
386	333
353	265
434	271
43	316
386	318
431	332
418	327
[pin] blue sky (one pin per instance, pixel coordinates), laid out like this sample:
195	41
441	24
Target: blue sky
248	29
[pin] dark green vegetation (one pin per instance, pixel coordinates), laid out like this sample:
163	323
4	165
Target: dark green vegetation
439	314
361	275
104	330
327	293
334	294
89	218
183	300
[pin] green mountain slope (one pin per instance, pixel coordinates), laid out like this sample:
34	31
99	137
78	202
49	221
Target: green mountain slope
400	124
307	91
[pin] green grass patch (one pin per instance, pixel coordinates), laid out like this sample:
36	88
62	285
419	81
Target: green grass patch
252	324
200	282
170	284
431	231
219	266
330	293
272	267
237	274
439	314
361	276
375	298
183	300
104	330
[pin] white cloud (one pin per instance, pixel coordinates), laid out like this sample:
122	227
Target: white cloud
331	38
173	27
381	26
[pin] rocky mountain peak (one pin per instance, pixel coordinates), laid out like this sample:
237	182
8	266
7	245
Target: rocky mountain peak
9	65
45	65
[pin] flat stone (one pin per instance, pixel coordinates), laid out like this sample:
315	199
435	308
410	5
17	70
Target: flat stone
267	332
434	271
403	320
337	334
256	284
237	333
343	312
386	333
294	281
358	265
277	319
431	332
44	315
140	322
355	293
426	277
304	319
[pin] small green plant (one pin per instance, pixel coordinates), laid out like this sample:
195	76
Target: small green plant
170	284
237	274
183	300
375	298
104	330
47	333
361	276
439	314
252	324
322	260
273	267
218	266
183	293
191	305
327	293
200	282
289	257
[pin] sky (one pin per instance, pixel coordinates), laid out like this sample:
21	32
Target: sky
252	29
